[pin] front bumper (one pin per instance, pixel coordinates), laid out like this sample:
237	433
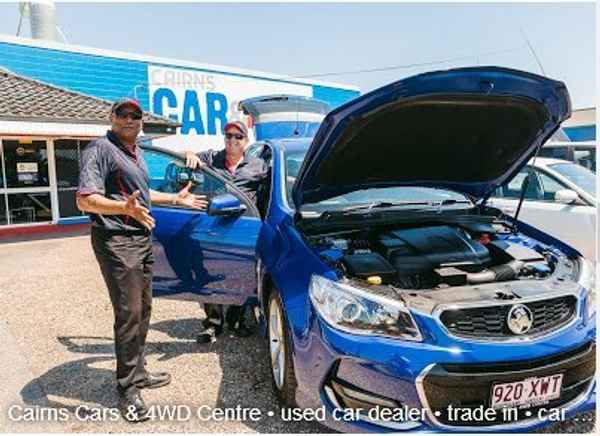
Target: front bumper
469	386
428	377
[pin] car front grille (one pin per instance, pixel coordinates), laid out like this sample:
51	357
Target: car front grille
490	321
469	386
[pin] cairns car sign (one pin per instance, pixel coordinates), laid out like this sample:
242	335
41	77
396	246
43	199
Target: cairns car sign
203	102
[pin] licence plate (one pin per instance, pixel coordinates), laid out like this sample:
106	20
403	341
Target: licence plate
529	392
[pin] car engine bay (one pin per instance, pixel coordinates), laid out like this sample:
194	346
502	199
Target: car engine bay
476	260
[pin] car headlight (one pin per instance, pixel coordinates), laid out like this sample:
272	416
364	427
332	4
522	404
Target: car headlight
357	311
587	279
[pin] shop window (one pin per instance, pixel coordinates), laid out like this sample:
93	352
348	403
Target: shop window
26	163
67	204
67	153
3	213
29	208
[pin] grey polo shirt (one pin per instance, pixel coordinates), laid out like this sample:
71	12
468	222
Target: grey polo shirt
249	173
109	168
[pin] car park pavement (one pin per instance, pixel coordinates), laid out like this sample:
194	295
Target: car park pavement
57	360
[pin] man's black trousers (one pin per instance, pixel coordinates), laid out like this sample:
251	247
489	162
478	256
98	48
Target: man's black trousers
126	262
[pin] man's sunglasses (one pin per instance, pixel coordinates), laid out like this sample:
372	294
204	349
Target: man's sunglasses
237	136
134	115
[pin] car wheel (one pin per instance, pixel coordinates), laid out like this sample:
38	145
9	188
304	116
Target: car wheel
280	353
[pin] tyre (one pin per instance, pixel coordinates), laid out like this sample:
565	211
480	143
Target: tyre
280	353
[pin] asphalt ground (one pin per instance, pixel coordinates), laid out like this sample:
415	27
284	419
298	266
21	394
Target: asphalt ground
57	354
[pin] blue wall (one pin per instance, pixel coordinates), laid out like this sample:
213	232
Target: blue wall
581	133
108	77
103	77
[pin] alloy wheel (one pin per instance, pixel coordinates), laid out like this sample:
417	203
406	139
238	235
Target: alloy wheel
276	343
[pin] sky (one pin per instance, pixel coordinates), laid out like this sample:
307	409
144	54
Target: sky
318	39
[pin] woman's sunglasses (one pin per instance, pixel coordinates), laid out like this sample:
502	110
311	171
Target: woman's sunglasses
237	136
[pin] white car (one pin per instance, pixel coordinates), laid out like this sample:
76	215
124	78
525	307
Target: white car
560	200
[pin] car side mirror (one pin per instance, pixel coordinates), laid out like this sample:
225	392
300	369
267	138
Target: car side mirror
225	205
566	196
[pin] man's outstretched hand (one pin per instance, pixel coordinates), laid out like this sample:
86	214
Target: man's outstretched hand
187	199
134	209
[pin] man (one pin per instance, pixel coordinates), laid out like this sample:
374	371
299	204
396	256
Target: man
247	172
114	190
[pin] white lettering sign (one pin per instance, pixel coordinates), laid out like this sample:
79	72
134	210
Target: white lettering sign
203	102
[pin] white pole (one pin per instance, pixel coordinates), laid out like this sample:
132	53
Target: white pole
52	177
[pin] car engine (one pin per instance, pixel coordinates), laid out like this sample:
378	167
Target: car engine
433	256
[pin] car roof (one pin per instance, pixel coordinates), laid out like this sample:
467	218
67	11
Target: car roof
293	144
576	144
547	161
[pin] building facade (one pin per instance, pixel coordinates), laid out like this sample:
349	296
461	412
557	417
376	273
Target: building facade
54	98
582	125
201	97
42	131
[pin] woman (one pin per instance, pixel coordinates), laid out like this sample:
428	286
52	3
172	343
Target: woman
246	172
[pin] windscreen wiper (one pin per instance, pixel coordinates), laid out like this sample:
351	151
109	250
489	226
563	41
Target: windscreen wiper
383	204
387	204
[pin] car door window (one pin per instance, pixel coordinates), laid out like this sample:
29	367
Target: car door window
499	192
513	188
207	184
540	186
159	165
550	186
169	174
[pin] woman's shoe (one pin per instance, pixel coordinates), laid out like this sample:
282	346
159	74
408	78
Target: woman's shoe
209	334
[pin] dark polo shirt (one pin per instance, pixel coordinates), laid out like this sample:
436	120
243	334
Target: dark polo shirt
248	174
109	168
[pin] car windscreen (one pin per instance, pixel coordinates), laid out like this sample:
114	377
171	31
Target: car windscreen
293	162
396	194
577	174
393	196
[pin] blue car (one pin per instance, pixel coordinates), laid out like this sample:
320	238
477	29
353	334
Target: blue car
391	296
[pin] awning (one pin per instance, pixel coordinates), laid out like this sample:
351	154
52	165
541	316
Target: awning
24	128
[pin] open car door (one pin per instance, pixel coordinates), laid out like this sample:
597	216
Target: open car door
210	254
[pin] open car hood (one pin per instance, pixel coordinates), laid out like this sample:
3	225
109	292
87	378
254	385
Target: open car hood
467	130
